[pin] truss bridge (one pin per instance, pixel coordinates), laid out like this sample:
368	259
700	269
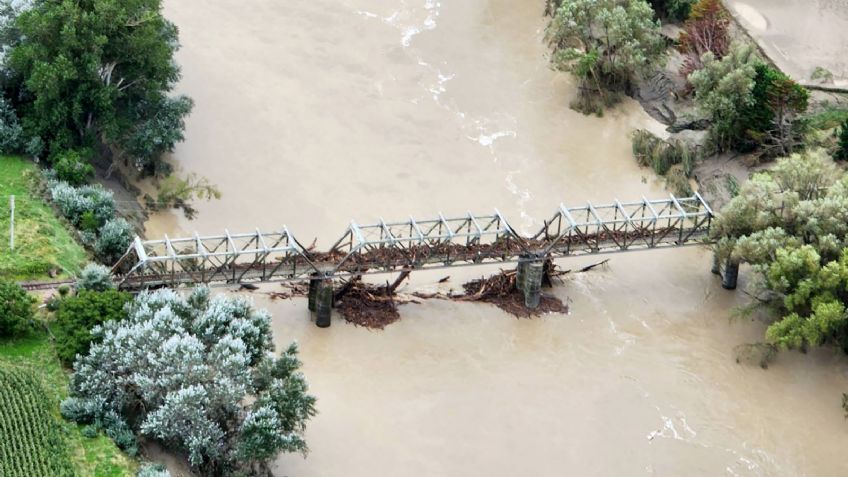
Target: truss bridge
414	244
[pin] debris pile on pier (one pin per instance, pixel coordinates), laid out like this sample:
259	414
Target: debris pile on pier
501	291
369	305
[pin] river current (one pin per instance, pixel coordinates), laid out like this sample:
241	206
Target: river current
311	113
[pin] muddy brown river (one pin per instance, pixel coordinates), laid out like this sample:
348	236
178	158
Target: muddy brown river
311	113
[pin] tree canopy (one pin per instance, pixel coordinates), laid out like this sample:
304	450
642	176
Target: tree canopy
605	42
98	72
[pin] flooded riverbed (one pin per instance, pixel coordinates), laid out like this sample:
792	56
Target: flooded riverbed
313	113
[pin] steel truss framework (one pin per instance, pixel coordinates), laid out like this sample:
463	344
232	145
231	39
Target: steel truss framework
414	245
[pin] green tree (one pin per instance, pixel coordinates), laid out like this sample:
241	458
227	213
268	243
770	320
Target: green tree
99	72
724	88
78	314
605	43
16	312
770	119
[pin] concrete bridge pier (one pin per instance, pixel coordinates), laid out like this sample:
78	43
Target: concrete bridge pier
521	271
323	301
314	281
533	284
731	275
716	264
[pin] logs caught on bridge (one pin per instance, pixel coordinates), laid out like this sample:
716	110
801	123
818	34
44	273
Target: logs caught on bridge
500	290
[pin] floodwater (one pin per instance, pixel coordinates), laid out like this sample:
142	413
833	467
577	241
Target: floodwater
799	35
311	113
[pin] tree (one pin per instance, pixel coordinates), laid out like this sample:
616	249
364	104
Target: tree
705	31
723	89
770	120
605	43
203	381
99	72
77	315
16	312
791	225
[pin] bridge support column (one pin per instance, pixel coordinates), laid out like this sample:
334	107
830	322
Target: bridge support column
323	302
313	291
521	272
533	284
716	264
731	275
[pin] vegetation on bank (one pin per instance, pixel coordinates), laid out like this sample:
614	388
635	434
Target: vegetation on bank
42	242
90	83
204	382
605	44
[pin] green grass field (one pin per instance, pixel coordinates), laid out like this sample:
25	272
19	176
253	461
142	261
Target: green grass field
42	242
89	457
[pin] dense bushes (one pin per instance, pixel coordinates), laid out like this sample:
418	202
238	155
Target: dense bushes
113	239
78	314
16	312
73	202
73	168
204	381
95	277
91	209
660	155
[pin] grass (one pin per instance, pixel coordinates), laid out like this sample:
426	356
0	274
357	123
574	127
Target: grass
98	456
42	242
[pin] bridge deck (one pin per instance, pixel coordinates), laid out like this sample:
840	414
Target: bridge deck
414	244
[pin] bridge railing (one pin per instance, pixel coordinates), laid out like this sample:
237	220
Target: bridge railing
414	244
